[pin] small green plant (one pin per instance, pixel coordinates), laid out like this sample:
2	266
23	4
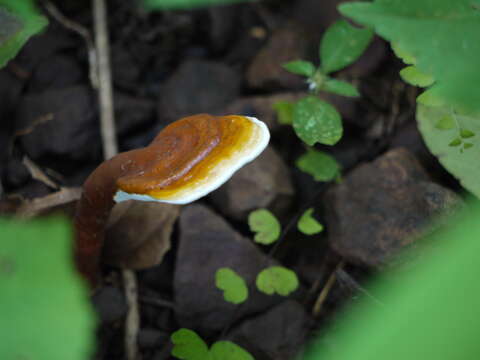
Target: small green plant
315	120
234	288
42	299
265	225
308	225
322	166
19	20
277	279
188	345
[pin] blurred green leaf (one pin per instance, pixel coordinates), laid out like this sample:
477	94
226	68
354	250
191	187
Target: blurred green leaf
42	298
465	133
284	111
188	345
300	67
19	20
315	120
464	166
446	122
341	45
234	288
277	279
227	350
415	77
406	57
441	34
425	310
185	4
265	225
308	225
320	165
340	88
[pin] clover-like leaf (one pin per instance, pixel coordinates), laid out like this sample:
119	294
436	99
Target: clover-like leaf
341	45
277	279
308	225
265	225
339	87
465	133
227	350
284	111
300	67
234	288
188	345
315	120
19	20
37	279
412	75
322	166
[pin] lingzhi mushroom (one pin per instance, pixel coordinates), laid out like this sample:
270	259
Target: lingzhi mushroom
188	159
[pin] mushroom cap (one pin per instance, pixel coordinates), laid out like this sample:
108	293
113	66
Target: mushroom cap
192	157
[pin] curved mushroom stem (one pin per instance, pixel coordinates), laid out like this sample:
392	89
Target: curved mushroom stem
92	212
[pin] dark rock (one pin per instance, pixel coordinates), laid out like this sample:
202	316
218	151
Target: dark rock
151	338
208	243
16	173
266	72
110	304
265	182
132	113
55	72
275	335
198	86
59	123
383	207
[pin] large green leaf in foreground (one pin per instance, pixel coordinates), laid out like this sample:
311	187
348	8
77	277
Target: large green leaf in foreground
429	311
462	163
44	309
442	35
19	20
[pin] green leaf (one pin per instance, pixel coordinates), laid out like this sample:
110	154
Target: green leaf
234	288
184	4
188	345
320	165
42	298
308	225
284	111
425	291
465	133
19	20
341	45
415	77
464	166
315	120
467	145
446	122
443	36
300	67
340	88
265	225
227	350
406	57
455	142
277	279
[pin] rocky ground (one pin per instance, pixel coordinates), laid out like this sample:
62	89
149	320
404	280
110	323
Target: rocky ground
223	60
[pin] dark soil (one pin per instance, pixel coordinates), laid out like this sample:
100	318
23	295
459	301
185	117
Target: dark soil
167	65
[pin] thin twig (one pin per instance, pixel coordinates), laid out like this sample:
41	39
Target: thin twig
110	149
317	307
84	33
104	75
